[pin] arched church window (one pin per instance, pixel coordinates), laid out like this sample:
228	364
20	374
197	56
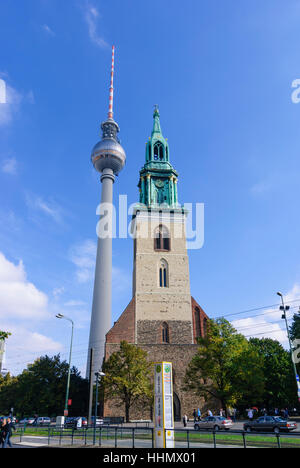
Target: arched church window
158	151
162	239
165	335
163	274
197	316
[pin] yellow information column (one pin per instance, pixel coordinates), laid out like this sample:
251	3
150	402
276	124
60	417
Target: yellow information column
163	405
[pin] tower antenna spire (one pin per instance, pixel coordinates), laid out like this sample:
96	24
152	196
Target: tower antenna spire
111	89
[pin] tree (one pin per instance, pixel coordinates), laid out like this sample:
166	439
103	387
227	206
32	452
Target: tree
295	335
4	335
41	388
295	327
280	386
127	377
226	367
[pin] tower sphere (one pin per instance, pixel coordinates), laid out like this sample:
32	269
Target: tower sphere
108	153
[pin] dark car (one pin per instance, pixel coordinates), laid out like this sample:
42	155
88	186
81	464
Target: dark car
75	423
270	424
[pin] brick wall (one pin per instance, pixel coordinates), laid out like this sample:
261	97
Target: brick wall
124	328
150	331
203	317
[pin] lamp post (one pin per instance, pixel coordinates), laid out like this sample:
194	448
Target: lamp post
285	308
98	375
60	316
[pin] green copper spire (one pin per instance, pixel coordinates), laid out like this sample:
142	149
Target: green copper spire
156	123
158	178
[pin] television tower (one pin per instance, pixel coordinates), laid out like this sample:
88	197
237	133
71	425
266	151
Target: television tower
108	158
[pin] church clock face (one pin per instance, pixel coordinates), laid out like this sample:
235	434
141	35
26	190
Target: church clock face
159	183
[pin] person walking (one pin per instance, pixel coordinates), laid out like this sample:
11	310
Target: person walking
286	414
2	424
185	420
7	432
250	414
209	413
199	414
195	415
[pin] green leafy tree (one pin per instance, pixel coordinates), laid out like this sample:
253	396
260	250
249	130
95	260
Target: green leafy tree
226	367
4	335
280	386
127	377
295	327
41	388
295	335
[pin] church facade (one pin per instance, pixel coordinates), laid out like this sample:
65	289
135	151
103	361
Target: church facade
162	317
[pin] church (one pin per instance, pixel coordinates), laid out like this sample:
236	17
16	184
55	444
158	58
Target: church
162	318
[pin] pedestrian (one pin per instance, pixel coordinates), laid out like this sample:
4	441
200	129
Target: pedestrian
199	414
195	415
7	432
185	420
234	411
250	414
2	424
286	414
221	412
209	413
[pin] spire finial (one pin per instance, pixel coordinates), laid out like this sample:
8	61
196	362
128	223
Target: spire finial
111	89
156	123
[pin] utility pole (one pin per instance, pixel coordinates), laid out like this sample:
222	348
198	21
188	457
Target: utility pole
61	316
91	386
98	375
285	308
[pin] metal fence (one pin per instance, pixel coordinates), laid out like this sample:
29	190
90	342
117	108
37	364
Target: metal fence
143	437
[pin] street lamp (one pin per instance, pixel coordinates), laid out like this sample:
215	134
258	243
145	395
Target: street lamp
98	376
60	316
285	308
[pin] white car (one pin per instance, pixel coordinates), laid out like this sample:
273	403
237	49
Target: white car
27	421
43	421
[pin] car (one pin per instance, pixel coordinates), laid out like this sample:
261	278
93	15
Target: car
270	424
75	422
27	421
42	421
215	423
99	422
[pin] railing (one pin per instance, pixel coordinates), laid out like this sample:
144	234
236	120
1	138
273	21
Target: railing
143	437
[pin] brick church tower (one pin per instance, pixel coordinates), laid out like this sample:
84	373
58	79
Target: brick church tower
162	317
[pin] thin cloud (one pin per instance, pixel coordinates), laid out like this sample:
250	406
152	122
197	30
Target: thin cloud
48	208
48	30
83	256
270	324
9	166
92	16
11	107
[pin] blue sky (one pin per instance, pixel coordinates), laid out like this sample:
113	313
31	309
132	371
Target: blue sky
222	75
